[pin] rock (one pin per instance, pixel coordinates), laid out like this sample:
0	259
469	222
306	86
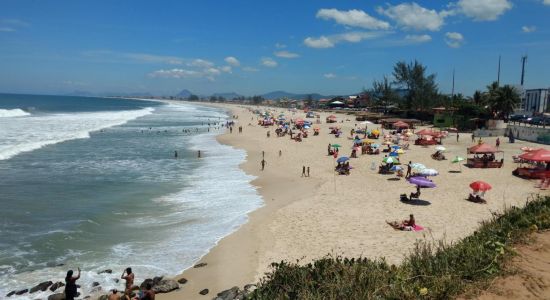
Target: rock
106	271
157	279
41	286
95	289
182	281
200	265
87	297
249	287
204	292
143	285
95	283
21	292
165	286
56	285
58	296
116	280
229	294
10	294
60	265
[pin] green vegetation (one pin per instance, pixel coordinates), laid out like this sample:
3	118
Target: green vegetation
431	271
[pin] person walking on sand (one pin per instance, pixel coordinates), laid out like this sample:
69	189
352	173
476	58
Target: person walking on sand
280	153
473	137
409	169
263	163
457	137
70	285
303	171
498	142
129	280
308	171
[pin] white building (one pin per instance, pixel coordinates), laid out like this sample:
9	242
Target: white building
536	101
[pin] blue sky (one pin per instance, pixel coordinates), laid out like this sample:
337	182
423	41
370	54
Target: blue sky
253	47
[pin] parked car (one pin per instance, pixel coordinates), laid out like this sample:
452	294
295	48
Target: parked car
539	121
518	118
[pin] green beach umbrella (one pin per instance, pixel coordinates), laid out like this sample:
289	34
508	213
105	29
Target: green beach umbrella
390	160
457	159
336	145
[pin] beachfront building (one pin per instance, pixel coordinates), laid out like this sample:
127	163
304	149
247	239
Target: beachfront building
536	101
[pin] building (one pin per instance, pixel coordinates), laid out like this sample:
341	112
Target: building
536	101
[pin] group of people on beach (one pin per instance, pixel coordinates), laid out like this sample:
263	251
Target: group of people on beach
71	288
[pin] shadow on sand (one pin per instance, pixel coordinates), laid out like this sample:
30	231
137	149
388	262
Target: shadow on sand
394	179
416	202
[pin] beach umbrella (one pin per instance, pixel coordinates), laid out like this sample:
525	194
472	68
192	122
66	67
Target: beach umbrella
418	166
367	141
480	186
386	143
400	151
394	154
457	159
374	145
429	172
440	148
409	133
336	145
540	155
396	147
390	160
396	168
366	122
342	159
421	182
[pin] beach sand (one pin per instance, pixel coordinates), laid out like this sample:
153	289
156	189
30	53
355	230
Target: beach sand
305	218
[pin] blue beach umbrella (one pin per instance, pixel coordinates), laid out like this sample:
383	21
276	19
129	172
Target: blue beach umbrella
375	145
396	147
342	159
394	154
396	168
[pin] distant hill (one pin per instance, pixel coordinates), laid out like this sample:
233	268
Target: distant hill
228	96
282	94
185	93
80	93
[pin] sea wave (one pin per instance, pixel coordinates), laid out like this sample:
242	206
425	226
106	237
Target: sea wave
34	132
10	113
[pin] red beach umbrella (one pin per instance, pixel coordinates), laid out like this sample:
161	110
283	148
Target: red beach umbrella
480	186
482	148
424	132
536	155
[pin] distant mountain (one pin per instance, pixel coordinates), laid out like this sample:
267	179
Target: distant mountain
185	93
282	94
228	96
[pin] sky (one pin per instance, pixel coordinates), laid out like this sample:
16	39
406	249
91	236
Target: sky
253	47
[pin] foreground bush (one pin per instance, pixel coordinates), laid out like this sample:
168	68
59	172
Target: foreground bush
431	271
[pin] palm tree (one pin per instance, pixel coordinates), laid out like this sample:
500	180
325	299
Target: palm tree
478	98
508	99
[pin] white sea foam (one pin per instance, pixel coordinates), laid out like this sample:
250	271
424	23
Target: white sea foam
9	113
18	135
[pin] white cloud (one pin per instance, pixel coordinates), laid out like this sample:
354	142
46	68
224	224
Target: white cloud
413	38
354	18
250	69
454	39
280	46
528	29
232	61
226	69
12	25
175	73
7	29
329	75
269	62
200	63
150	58
414	16
286	54
484	10
321	42
546	2
350	37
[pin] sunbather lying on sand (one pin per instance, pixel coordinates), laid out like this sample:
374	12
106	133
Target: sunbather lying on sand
405	225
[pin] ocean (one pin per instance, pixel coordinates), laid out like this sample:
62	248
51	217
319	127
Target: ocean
94	183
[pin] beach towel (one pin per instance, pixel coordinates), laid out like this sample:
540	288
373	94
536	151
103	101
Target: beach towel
417	227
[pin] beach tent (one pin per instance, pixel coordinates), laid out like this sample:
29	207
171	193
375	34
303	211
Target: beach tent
400	124
540	155
482	148
424	132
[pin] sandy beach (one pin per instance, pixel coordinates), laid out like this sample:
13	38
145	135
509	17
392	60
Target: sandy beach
305	218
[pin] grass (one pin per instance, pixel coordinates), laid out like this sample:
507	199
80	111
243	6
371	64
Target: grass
431	271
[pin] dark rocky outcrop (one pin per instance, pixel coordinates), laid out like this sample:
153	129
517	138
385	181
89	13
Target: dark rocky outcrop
106	271
56	285
157	279
229	294
143	285
95	283
21	292
182	281
41	287
165	286
10	294
200	265
58	296
204	292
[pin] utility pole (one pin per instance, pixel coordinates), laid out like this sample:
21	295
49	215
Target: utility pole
453	91
523	61
498	73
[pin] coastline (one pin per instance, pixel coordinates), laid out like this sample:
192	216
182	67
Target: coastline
308	218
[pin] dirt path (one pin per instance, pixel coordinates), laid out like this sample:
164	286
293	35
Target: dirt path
533	278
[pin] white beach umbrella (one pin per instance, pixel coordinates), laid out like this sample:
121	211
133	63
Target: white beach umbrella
440	148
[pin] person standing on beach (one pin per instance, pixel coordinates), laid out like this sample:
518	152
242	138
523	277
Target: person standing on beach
263	163
409	169
230	129
498	142
457	137
303	171
129	280
473	137
114	295
280	153
149	294
70	285
308	171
